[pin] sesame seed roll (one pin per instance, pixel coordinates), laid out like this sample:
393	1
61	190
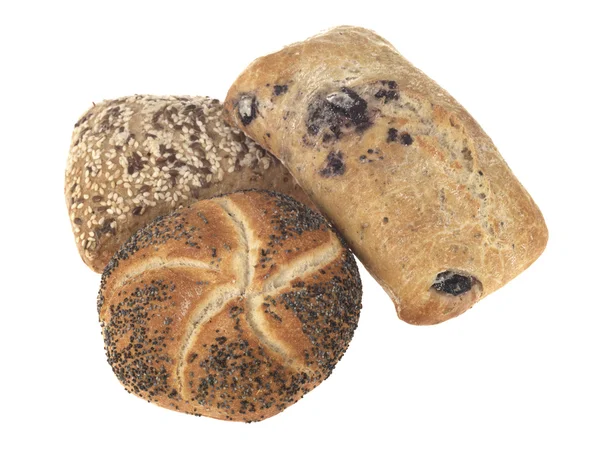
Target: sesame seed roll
135	158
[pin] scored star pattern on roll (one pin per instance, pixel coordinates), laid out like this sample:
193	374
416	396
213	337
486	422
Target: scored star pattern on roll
260	317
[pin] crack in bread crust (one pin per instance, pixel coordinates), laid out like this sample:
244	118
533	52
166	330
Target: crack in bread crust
321	257
203	314
216	305
161	263
235	217
151	264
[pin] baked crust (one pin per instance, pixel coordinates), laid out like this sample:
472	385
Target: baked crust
233	308
408	177
135	158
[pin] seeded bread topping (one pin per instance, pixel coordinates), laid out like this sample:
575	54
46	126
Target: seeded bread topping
233	308
135	158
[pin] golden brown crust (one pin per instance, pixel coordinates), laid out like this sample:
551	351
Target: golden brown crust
233	308
408	177
135	158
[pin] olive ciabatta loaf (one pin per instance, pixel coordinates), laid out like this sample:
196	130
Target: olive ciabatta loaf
233	307
406	175
135	158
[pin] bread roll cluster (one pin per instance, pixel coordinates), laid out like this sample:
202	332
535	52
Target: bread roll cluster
221	300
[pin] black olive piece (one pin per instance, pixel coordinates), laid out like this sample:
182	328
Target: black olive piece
279	89
335	165
337	112
453	283
406	139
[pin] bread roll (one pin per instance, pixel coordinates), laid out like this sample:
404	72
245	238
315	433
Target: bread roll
233	308
406	175
135	158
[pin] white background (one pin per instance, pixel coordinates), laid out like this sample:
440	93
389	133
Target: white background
518	371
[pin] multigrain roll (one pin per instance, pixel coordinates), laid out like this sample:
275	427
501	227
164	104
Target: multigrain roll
406	175
135	158
233	308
